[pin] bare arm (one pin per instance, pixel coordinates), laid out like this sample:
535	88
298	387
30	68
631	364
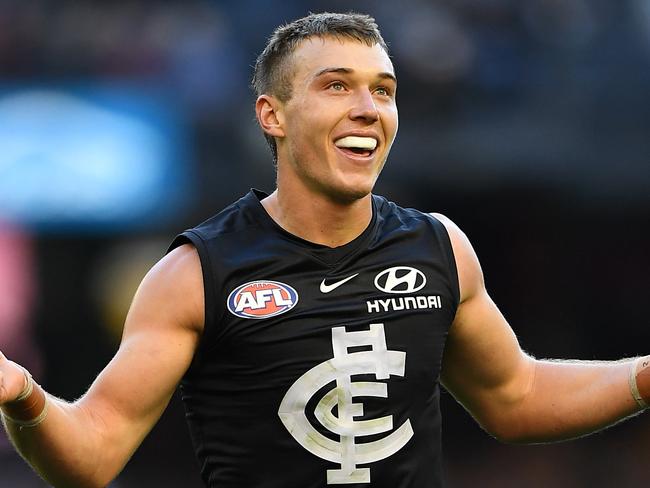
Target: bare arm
512	395
88	442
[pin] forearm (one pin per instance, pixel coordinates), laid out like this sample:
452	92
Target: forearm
570	399
66	448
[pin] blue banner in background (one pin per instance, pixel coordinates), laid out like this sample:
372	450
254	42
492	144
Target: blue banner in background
91	158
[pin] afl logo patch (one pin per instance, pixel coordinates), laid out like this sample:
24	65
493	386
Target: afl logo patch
261	299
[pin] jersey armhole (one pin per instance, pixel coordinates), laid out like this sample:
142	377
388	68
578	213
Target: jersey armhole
451	260
192	237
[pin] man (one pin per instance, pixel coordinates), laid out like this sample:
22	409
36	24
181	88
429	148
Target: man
307	327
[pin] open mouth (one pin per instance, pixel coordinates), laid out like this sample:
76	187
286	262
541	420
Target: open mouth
358	147
357	151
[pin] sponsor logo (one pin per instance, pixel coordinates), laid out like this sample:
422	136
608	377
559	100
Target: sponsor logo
325	288
261	299
400	279
337	411
404	303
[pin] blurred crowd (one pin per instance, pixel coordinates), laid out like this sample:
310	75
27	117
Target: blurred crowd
526	121
534	83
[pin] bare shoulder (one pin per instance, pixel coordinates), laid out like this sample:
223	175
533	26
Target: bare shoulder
470	275
181	263
173	290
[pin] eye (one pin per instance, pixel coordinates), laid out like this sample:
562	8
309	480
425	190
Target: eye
337	86
382	90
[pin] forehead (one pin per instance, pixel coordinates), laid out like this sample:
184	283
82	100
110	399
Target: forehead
317	53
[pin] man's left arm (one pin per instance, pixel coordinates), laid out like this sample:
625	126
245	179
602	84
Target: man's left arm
518	398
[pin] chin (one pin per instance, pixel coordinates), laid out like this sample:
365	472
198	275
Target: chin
349	195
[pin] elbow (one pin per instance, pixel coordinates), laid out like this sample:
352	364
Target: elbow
509	421
513	426
509	418
504	430
509	436
67	481
99	481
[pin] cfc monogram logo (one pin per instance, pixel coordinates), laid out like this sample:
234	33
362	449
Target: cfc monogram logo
378	361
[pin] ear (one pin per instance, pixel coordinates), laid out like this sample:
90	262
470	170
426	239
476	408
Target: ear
269	115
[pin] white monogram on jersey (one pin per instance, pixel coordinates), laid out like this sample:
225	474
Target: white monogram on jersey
378	361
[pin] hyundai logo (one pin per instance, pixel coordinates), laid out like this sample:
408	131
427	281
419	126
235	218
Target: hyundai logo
400	279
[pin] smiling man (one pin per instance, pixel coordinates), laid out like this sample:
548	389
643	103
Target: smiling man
310	329
331	133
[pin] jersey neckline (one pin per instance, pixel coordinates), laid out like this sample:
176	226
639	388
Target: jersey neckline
329	255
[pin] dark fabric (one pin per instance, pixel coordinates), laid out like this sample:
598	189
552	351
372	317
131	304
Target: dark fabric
245	367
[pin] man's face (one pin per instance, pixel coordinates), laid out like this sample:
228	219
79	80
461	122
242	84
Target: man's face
341	120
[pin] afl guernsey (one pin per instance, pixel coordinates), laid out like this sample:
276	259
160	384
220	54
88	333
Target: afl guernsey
320	366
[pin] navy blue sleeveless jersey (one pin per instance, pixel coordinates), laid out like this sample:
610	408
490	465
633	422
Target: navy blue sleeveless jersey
320	366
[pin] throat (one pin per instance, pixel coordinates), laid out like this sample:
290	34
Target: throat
319	221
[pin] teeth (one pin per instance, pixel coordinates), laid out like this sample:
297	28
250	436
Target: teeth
357	142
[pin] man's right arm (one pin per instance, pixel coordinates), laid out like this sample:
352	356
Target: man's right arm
87	443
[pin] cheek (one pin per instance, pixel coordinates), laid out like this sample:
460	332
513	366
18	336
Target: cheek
310	123
312	134
306	146
391	122
393	117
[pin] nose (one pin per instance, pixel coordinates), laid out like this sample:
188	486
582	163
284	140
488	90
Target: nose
364	108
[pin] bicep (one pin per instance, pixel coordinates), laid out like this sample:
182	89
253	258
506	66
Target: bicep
483	365
160	336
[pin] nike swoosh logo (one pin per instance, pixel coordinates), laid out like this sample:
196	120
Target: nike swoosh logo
325	288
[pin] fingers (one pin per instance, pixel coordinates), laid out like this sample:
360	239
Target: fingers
3	391
12	380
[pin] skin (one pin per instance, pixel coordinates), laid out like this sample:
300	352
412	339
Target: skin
513	396
88	442
354	96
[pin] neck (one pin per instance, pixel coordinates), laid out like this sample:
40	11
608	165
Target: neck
318	219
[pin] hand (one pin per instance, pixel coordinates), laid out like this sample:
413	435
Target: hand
12	380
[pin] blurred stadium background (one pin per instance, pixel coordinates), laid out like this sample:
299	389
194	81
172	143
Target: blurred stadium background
526	121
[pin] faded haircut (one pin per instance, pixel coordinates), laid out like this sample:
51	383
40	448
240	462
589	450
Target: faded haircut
273	73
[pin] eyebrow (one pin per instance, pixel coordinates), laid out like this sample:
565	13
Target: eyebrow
347	71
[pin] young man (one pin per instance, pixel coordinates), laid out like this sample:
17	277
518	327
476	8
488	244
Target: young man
307	327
